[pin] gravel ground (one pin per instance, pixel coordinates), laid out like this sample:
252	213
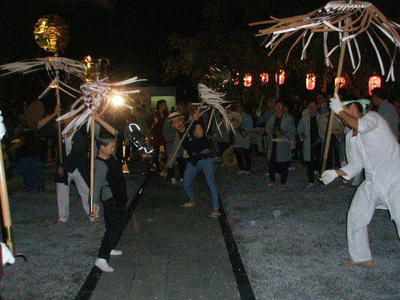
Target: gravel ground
59	256
293	242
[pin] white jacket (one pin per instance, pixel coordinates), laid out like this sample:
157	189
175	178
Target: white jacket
375	150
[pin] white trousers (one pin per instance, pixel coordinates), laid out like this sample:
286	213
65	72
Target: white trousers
63	195
361	210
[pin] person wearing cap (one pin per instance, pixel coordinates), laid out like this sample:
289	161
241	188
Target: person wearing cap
200	159
169	134
370	145
386	109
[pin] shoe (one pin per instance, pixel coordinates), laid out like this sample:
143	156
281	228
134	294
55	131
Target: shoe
309	185
283	187
173	181
181	180
102	264
188	204
241	172
365	264
60	222
116	252
271	183
215	214
247	172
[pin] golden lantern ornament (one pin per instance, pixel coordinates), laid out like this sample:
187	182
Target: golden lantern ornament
51	33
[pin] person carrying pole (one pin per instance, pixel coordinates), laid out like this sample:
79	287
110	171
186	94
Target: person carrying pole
370	145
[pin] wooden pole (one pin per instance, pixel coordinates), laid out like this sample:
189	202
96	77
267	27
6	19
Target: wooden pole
60	152
92	151
332	114
5	206
172	156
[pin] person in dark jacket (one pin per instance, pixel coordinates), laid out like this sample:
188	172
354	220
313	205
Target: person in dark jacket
110	190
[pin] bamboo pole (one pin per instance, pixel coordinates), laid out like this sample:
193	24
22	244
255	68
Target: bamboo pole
5	205
92	151
59	137
332	114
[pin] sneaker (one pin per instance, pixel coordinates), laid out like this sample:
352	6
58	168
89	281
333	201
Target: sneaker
102	264
283	187
271	183
173	181
241	172
181	180
115	252
309	185
247	172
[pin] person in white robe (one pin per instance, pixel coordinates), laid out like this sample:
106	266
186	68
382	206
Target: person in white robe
371	146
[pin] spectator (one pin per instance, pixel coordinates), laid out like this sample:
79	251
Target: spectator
242	143
281	130
386	109
311	137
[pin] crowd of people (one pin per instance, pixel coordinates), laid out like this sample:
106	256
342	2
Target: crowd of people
186	142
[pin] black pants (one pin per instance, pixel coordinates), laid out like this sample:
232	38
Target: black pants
244	158
280	168
181	164
315	162
115	221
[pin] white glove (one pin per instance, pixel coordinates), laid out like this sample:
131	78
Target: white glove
8	258
335	104
328	176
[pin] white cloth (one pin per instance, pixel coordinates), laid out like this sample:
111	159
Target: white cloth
375	150
7	256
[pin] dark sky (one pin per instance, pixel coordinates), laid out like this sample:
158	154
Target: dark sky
133	34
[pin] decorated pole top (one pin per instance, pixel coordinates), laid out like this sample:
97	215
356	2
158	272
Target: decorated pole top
51	33
349	20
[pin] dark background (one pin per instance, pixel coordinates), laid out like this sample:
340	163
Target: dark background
133	34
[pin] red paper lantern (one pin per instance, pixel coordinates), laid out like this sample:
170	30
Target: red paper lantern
236	81
340	81
281	77
264	77
248	80
374	82
310	81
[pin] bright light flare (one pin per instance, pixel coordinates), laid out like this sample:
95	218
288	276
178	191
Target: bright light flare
117	100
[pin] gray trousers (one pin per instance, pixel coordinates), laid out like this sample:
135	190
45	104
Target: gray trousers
63	195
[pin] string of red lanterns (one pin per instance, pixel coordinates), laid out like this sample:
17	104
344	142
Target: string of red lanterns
311	79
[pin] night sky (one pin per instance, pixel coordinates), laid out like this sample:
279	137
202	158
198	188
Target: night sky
134	33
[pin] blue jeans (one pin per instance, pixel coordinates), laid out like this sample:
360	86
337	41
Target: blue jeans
32	172
207	165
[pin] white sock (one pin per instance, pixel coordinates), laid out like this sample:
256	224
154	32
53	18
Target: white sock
102	264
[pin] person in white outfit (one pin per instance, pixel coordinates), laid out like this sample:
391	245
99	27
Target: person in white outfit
371	146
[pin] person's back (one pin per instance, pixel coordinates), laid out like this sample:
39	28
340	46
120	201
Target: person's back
381	147
389	113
